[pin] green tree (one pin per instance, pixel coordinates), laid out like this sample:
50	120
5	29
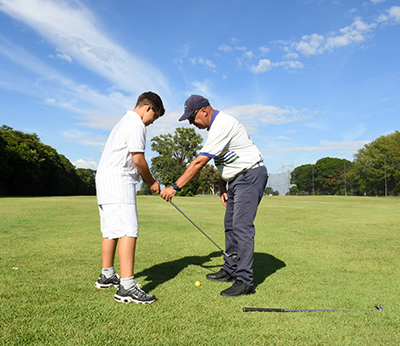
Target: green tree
326	177
175	152
270	191
302	177
30	167
369	165
88	177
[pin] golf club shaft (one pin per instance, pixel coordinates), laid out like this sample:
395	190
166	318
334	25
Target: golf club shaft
198	228
378	308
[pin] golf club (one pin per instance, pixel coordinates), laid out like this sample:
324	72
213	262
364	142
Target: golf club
232	255
378	308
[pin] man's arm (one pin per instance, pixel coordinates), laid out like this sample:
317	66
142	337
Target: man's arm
142	167
194	167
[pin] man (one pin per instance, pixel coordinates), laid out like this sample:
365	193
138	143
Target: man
117	175
243	178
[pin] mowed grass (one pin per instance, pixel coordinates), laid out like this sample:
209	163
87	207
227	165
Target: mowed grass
311	253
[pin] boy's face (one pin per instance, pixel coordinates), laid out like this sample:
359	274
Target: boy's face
149	116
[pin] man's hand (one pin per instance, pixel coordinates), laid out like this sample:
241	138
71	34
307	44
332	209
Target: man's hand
155	187
168	193
224	198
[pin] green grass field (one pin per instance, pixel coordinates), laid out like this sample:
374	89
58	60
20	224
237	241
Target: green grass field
311	253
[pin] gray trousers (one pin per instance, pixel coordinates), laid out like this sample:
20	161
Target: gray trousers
244	195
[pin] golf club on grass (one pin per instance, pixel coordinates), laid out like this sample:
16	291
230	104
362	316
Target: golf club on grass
232	255
378	308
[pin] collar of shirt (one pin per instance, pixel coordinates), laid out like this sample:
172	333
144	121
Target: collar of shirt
213	118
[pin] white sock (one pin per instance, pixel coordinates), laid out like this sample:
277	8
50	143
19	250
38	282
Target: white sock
108	272
128	283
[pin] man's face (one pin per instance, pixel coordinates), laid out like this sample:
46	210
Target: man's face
199	118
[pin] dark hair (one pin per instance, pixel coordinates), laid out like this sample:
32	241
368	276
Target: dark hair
152	99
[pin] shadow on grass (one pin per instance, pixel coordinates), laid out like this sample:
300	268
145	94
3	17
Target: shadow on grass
264	266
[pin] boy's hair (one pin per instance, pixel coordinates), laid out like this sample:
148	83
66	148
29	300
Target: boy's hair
152	99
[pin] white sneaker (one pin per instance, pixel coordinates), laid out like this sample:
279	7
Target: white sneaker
133	295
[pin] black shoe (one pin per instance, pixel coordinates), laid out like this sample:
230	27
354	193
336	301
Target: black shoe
239	288
221	276
103	282
133	295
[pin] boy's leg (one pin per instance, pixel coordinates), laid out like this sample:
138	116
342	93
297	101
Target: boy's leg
108	247
108	277
129	291
126	254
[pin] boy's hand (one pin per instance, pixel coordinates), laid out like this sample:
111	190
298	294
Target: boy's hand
155	187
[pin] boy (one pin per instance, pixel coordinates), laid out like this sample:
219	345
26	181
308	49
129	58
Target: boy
117	175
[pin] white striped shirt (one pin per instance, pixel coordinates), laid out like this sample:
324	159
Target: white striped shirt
116	176
230	146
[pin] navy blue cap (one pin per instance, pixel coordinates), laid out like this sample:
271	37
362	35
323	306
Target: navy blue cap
192	103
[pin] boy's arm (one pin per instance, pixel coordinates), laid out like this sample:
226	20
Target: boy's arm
142	167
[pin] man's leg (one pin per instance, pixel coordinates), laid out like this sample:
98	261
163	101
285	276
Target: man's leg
246	193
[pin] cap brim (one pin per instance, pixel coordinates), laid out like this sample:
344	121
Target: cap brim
185	116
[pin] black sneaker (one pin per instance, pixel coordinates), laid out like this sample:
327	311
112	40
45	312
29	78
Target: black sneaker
221	276
103	282
239	288
133	295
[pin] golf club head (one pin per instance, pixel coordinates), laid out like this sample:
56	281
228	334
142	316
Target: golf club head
379	307
231	255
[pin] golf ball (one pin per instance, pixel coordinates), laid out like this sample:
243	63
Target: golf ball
197	283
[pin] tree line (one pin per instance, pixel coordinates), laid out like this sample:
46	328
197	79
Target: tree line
31	168
375	170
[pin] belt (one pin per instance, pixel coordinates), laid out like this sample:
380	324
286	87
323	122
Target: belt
257	164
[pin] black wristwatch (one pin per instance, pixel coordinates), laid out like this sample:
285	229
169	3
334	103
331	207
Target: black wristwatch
176	187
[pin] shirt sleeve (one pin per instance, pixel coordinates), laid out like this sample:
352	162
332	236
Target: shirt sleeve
136	138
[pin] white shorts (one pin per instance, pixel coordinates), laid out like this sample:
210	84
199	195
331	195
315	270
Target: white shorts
119	220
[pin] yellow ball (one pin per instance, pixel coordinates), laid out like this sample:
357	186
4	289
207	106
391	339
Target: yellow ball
197	283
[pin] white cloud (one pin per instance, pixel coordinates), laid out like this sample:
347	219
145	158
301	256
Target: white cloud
311	44
77	35
249	54
352	134
377	1
264	65
356	32
63	56
85	164
291	64
225	48
264	50
87	139
394	13
291	56
324	146
202	61
266	114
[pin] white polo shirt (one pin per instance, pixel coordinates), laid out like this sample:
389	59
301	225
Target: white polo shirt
116	176
230	146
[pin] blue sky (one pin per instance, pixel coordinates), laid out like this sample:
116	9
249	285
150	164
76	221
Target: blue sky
307	78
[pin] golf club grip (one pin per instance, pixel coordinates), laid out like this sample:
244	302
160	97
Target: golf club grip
263	310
